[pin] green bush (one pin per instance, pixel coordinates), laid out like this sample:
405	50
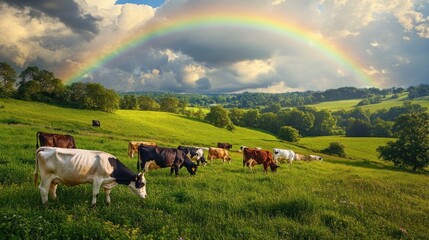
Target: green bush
335	148
289	134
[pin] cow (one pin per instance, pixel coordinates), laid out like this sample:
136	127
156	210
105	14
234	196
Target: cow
315	157
226	146
76	166
215	153
283	154
133	147
301	157
194	153
252	156
96	123
54	140
164	157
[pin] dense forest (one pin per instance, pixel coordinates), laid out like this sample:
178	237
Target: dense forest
265	111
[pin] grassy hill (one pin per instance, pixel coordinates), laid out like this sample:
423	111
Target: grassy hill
386	103
358	197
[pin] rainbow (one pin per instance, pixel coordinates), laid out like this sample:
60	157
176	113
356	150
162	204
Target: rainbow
203	19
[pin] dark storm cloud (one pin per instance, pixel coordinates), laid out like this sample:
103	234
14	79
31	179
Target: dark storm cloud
68	12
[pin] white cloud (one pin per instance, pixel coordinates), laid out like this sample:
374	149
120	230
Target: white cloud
193	73
382	36
277	2
249	70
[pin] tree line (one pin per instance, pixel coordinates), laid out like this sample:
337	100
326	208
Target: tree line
34	84
269	112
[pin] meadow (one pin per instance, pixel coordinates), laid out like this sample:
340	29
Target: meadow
358	197
386	103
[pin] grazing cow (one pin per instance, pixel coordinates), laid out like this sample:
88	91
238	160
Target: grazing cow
96	123
224	146
194	153
283	154
76	166
315	157
215	153
165	157
301	157
133	147
253	156
54	140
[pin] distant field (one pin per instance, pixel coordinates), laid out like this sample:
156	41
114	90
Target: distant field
358	197
386	103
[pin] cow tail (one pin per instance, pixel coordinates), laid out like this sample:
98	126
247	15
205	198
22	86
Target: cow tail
37	140
138	158
36	176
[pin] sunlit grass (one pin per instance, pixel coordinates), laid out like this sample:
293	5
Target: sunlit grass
358	197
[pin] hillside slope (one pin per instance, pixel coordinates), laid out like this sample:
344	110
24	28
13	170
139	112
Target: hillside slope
355	198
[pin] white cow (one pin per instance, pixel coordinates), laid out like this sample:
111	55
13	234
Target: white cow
315	157
76	166
283	154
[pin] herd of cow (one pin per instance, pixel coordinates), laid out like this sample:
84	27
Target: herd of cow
59	161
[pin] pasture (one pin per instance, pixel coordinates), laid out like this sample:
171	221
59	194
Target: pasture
359	197
386	103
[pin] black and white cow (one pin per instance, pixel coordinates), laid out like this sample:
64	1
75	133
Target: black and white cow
165	157
76	166
194	153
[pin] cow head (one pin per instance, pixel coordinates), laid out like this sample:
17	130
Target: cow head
192	168
138	185
203	160
274	167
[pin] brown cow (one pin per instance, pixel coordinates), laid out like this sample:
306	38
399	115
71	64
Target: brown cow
54	140
252	156
134	145
215	153
224	145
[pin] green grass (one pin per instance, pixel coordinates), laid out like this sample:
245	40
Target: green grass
386	103
359	197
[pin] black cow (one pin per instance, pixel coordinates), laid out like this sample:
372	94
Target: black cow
54	140
194	152
165	157
96	123
224	145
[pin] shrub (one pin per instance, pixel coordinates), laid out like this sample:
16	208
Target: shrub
335	148
289	134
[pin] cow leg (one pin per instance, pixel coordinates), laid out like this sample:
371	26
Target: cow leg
171	170
107	192
176	170
53	190
44	188
95	190
266	166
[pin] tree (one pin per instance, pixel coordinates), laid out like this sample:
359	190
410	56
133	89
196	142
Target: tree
236	116
289	134
251	118
412	147
268	121
381	128
169	104
358	128
218	116
324	123
129	102
7	80
147	103
39	85
335	148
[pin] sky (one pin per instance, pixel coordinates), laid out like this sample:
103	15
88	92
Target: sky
220	46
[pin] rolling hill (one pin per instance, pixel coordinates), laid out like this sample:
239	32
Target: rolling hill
355	197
